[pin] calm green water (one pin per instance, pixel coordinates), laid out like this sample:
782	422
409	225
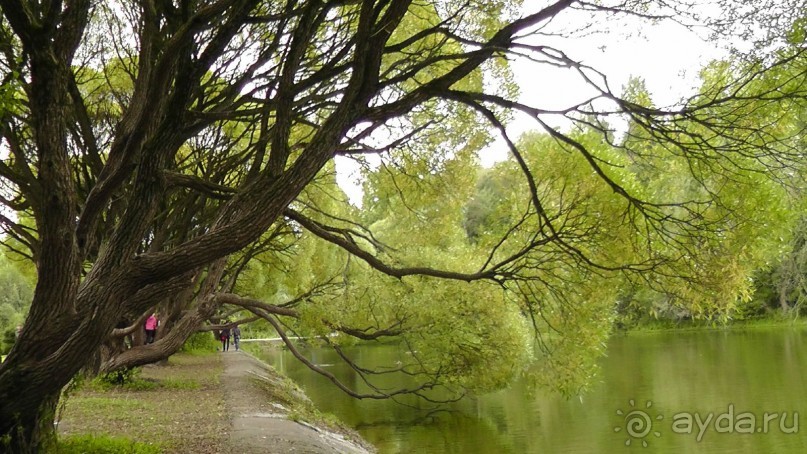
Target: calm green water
699	386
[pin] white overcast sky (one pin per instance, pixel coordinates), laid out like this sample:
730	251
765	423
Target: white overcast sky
667	55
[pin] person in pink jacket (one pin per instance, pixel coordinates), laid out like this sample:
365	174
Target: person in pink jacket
151	328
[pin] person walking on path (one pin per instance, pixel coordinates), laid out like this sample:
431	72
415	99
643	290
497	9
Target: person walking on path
236	332
225	339
151	328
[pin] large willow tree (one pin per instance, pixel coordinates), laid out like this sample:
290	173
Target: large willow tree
151	147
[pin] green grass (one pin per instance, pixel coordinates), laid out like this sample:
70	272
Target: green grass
104	444
169	383
284	391
137	384
177	407
111	404
131	380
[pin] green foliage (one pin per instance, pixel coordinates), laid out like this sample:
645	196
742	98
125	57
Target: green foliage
632	230
14	300
782	287
125	378
469	333
462	335
708	220
104	444
8	336
201	342
649	234
120	377
745	190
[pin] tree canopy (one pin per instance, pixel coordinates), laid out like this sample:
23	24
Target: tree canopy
179	156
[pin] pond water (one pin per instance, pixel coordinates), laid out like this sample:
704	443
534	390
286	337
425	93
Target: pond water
700	391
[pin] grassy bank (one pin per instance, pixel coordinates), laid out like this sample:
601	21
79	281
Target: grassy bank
173	408
692	325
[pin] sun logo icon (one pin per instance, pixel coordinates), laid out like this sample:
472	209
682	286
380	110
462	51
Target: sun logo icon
638	423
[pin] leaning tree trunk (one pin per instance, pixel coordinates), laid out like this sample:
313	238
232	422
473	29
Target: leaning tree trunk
174	334
60	334
33	376
54	346
167	345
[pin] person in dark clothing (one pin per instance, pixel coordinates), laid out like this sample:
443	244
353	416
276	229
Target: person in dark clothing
225	339
236	332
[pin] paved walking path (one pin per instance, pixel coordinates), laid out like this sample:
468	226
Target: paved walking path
257	397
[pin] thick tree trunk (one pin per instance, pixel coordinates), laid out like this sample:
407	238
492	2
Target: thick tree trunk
29	393
33	425
29	389
167	345
51	350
